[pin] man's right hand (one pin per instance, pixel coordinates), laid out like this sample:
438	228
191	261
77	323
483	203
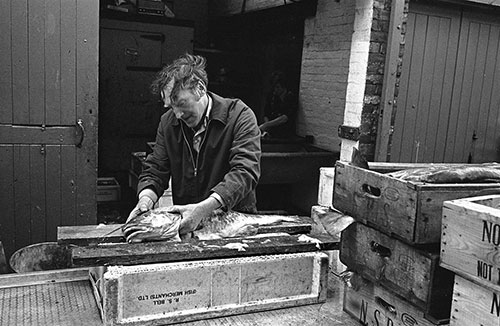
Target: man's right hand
145	203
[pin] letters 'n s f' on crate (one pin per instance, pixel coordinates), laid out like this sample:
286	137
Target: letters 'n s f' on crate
372	304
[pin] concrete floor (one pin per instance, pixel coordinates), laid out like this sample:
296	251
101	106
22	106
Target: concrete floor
326	314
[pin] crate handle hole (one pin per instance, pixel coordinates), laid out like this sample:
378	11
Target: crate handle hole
380	250
371	191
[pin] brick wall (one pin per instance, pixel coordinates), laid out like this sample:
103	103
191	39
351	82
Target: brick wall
325	67
374	77
340	51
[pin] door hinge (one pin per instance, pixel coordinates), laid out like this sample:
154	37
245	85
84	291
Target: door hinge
348	132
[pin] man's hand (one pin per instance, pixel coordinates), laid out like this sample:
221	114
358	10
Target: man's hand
145	203
193	214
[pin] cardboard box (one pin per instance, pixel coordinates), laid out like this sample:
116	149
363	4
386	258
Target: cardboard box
372	304
408	210
158	294
473	304
412	273
471	238
108	189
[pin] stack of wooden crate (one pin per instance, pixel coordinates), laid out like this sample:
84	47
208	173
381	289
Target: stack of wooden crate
470	248
393	248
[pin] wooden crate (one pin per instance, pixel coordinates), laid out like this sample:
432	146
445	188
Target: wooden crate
372	304
408	210
474	304
471	238
158	294
412	273
325	188
329	222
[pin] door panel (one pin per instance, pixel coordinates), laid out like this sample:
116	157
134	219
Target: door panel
447	109
48	160
476	91
426	83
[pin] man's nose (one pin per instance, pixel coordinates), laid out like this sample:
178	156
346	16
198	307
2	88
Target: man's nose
178	113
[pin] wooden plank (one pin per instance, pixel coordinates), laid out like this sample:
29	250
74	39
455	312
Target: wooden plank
164	251
491	132
427	75
412	273
87	47
412	105
373	305
429	129
43	277
20	82
54	195
178	292
470	239
474	305
83	235
6	62
52	63
60	135
37	189
401	109
478	87
394	40
36	61
445	107
68	62
22	195
68	185
7	202
461	149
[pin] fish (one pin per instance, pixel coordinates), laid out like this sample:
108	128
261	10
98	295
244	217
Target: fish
160	224
451	173
440	173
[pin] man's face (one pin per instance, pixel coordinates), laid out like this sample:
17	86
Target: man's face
189	106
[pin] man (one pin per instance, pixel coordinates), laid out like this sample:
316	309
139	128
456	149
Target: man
279	111
208	145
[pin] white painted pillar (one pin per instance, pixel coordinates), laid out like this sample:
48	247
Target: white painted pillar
358	64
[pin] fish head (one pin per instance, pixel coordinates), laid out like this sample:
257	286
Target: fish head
155	224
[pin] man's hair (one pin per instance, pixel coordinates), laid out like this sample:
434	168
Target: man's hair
187	71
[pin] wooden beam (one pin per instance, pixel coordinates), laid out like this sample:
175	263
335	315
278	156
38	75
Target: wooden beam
234	7
49	135
389	83
165	251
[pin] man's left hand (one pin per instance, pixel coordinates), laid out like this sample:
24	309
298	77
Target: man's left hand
192	215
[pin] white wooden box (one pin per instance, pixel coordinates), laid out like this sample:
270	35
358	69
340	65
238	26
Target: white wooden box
471	238
326	184
473	304
158	294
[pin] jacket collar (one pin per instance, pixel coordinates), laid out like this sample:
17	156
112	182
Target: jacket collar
219	111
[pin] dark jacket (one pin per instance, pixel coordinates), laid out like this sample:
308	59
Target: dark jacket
228	162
